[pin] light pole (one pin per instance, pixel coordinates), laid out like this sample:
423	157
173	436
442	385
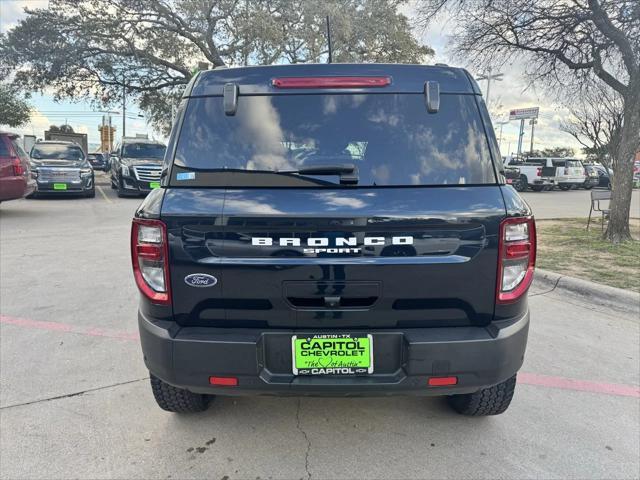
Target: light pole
532	122
498	77
502	123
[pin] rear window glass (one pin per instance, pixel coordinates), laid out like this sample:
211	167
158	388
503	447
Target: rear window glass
4	149
56	151
390	138
143	150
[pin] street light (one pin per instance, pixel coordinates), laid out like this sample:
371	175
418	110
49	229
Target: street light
502	123
498	77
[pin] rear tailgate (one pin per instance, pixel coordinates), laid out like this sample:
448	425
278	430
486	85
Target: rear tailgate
377	258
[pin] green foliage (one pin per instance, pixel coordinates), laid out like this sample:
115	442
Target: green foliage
96	48
14	111
556	152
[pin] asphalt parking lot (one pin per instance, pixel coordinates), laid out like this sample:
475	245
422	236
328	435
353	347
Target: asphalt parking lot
571	204
75	400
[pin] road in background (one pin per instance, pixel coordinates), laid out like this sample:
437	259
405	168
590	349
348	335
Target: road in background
571	204
76	402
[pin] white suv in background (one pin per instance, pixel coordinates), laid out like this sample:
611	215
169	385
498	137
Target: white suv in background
570	172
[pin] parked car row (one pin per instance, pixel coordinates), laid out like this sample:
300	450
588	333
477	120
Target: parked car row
61	167
541	174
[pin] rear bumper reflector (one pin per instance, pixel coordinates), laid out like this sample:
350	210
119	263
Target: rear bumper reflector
442	381
223	381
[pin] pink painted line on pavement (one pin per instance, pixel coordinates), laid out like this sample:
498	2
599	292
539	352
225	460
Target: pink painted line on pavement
523	377
578	385
67	328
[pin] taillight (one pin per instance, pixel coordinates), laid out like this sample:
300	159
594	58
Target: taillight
516	258
149	255
331	82
539	172
18	169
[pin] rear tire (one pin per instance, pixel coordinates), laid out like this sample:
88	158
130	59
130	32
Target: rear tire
538	188
565	188
521	184
177	400
91	193
488	401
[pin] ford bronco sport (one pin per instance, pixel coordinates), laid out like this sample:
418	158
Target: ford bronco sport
333	230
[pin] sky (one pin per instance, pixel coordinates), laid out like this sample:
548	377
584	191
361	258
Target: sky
513	92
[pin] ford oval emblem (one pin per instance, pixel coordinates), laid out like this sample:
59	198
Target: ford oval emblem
200	280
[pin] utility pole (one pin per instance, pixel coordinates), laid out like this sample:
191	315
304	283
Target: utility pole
520	135
330	59
124	100
502	123
498	77
532	122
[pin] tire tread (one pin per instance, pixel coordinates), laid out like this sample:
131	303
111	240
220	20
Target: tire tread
178	400
488	401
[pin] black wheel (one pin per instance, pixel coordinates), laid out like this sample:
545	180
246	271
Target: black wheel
91	193
564	188
520	184
31	196
121	190
178	400
588	187
538	188
488	401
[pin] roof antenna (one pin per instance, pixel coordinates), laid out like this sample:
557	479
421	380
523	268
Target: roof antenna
329	60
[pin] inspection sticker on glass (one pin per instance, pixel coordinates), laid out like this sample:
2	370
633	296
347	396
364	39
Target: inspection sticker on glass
186	176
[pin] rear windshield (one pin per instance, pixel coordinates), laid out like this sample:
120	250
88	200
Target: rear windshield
4	149
143	150
56	151
567	163
390	138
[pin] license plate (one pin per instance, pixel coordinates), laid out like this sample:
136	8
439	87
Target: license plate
327	354
59	186
154	185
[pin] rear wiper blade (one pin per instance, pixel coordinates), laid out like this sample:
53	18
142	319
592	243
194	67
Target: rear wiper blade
348	172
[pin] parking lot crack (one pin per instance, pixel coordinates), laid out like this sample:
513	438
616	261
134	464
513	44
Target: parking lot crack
306	437
74	394
555	285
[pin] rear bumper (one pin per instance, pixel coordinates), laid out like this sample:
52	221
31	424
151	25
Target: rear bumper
12	188
404	359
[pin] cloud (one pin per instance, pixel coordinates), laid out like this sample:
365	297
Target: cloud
11	12
36	126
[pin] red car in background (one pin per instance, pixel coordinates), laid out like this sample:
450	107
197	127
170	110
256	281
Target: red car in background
15	174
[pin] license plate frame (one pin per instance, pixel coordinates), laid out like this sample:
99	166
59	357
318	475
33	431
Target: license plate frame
332	367
59	186
154	185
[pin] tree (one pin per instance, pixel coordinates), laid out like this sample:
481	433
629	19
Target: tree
597	119
14	111
565	44
555	152
151	48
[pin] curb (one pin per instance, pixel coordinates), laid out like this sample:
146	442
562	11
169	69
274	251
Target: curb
597	293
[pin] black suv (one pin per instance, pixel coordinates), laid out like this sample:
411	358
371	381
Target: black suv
333	230
135	166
